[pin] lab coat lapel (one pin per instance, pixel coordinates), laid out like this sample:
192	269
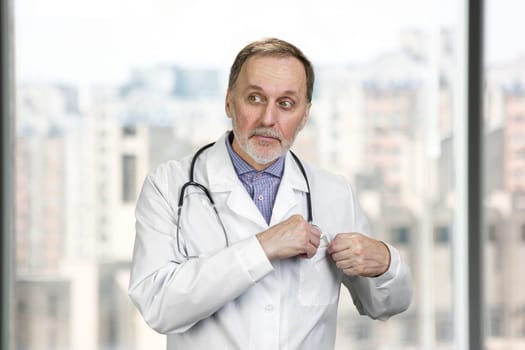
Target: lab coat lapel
223	179
287	197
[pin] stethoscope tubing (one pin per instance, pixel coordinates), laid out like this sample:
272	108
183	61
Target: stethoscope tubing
206	191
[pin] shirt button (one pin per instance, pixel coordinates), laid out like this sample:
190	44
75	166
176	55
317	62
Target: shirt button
261	197
268	307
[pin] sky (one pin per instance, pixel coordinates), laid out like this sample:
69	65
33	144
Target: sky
101	41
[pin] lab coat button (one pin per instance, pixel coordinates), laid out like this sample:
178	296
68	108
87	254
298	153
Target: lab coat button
268	307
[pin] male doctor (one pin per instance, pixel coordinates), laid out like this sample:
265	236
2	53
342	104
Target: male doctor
258	274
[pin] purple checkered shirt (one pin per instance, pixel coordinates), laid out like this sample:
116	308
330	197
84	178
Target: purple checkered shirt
262	186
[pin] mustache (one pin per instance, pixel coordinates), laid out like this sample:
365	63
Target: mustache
267	132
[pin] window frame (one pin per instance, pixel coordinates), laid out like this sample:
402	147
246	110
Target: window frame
474	153
6	161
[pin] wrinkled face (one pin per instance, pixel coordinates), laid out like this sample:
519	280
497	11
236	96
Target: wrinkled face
268	107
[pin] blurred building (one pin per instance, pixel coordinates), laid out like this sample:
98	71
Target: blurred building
54	266
505	202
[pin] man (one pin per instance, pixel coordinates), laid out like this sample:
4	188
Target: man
258	275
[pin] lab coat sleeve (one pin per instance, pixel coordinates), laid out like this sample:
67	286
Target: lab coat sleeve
173	293
383	296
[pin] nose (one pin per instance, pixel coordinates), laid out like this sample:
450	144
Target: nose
269	115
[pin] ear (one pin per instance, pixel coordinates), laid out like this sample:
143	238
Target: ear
305	116
228	103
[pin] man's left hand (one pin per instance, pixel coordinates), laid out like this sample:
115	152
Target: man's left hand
358	255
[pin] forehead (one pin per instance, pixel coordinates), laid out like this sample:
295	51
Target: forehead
273	72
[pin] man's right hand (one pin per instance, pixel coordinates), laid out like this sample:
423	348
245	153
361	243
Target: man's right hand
292	237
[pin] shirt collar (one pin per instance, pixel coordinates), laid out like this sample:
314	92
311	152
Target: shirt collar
242	167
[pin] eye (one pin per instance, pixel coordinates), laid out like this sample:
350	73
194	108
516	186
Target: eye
254	98
286	104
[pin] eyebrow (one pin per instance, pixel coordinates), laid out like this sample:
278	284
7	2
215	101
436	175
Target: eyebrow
258	88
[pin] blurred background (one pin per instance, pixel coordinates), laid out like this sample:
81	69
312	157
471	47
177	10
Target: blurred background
107	90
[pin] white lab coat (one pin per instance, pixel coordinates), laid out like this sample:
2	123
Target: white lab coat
235	298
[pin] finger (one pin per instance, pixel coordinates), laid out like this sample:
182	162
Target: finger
316	230
337	245
341	255
345	264
342	241
315	241
310	250
350	272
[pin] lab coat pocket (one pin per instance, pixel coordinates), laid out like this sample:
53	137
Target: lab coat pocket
319	282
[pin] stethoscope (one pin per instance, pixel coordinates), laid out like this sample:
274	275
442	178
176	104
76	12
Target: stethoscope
205	190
